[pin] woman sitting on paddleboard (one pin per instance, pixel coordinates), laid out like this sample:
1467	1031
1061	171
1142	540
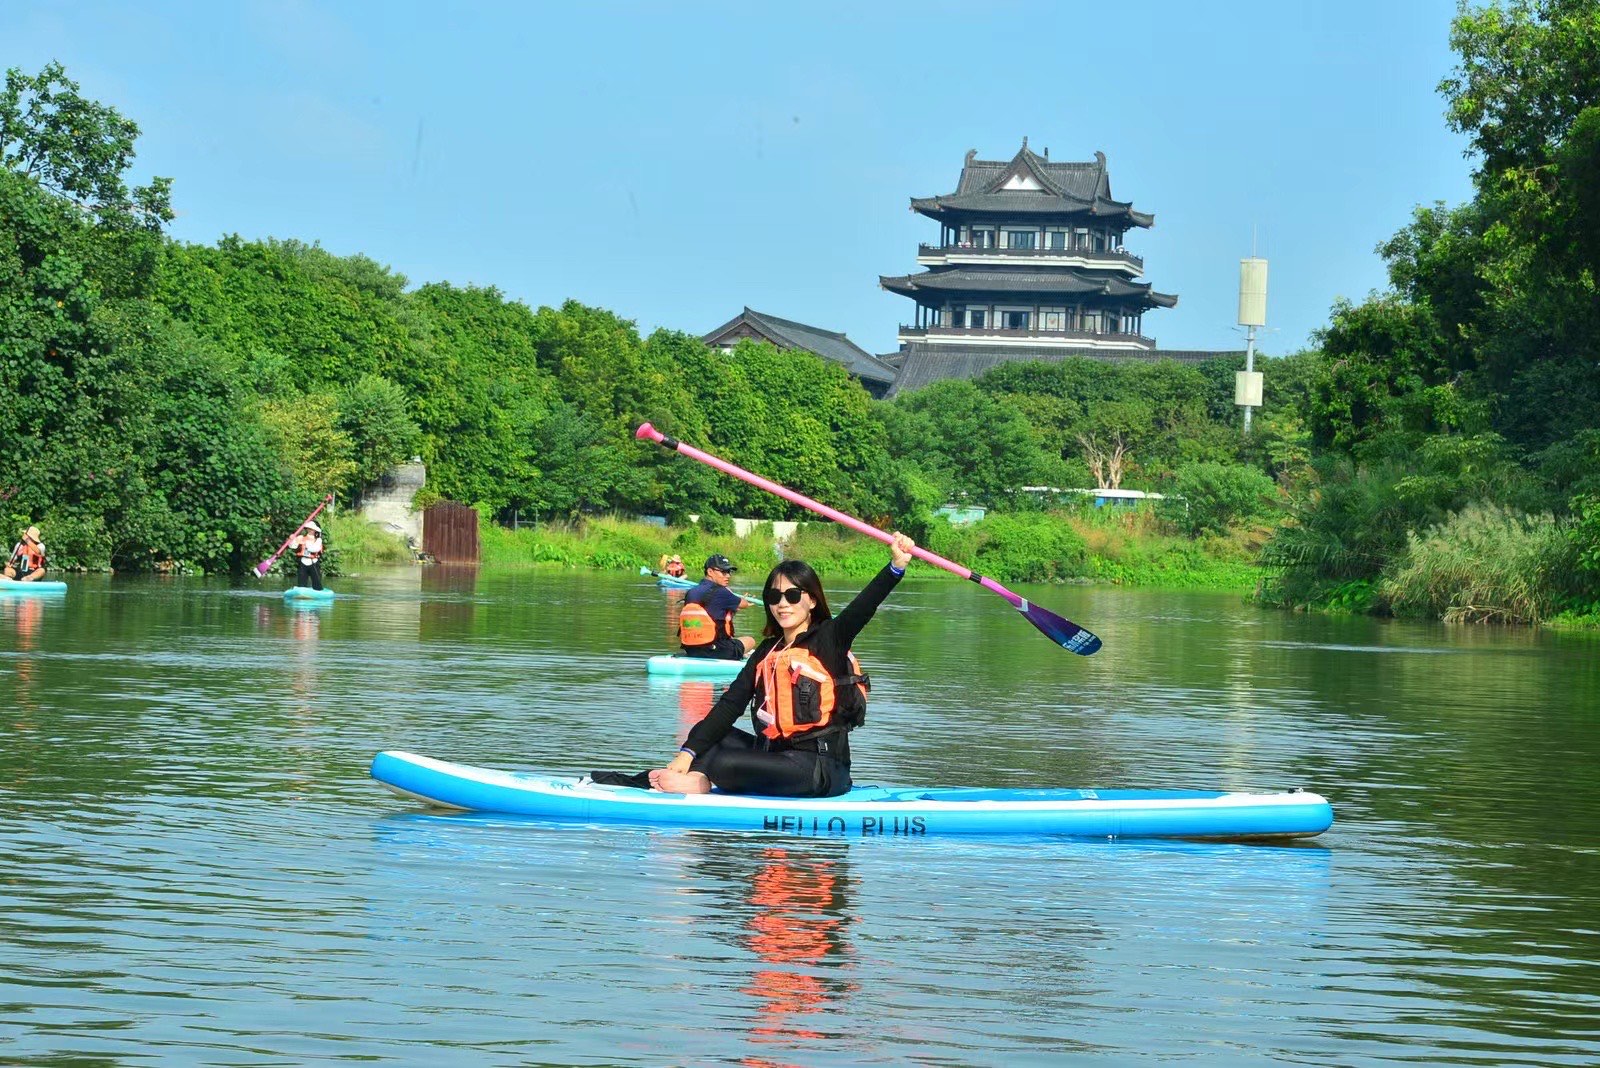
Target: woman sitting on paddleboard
805	691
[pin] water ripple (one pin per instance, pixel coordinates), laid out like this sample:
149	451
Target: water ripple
199	870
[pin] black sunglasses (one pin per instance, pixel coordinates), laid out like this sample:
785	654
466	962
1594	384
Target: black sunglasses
792	595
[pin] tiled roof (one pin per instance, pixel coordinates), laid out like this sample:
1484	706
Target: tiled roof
829	344
1064	280
922	364
1063	188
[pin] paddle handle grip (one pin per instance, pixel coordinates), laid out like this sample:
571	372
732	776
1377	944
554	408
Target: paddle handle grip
646	432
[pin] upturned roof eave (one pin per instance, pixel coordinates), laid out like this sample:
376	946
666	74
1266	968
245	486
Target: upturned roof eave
916	286
934	207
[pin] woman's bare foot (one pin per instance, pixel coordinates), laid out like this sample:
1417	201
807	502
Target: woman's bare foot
679	782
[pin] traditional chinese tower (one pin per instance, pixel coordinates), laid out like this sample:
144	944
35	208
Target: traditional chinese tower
1030	264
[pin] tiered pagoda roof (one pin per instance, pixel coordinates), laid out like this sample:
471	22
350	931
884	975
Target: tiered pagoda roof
1030	184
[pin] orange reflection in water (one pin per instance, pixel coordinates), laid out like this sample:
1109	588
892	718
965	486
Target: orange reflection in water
798	930
305	626
694	701
25	614
674	606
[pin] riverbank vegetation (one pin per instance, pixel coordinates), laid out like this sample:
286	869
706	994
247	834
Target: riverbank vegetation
1436	453
1127	548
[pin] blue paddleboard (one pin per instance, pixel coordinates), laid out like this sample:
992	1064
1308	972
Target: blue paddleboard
867	811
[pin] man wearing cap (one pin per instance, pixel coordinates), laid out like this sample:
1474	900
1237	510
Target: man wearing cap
26	563
705	626
307	548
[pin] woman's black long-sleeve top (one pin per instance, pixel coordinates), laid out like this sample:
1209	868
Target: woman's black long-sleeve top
829	641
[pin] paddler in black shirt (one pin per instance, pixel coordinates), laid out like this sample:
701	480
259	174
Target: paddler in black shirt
806	690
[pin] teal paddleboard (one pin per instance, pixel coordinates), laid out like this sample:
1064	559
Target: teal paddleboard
306	593
40	586
693	667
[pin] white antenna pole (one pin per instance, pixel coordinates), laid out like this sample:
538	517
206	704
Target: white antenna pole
1249	369
1252	314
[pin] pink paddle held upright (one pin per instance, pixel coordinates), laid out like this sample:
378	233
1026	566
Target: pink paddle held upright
264	566
1063	632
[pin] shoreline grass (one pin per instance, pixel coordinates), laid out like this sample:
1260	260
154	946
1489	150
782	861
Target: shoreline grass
1034	547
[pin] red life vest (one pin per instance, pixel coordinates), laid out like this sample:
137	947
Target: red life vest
697	628
804	700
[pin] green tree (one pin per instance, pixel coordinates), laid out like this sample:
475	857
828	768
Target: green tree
1108	436
375	415
78	149
1528	68
977	446
309	443
1216	496
1384	369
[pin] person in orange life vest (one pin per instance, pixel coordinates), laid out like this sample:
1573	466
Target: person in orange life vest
307	547
805	691
673	565
705	626
26	563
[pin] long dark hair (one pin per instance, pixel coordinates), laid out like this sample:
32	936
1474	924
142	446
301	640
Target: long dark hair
800	574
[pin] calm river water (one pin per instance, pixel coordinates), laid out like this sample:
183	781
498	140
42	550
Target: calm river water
199	871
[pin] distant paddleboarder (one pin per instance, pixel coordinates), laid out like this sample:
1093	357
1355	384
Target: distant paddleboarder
307	547
27	560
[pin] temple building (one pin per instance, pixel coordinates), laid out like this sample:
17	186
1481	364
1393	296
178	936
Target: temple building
874	375
1030	265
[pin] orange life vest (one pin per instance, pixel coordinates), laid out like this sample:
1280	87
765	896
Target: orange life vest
697	628
804	700
30	555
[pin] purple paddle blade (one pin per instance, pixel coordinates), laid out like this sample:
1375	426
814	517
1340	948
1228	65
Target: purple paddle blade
1063	632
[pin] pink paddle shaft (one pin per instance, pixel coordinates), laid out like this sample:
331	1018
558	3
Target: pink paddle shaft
646	432
261	568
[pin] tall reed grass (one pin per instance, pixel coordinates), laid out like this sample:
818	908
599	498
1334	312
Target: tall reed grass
1484	564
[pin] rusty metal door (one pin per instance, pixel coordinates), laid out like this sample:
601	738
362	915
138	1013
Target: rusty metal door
450	533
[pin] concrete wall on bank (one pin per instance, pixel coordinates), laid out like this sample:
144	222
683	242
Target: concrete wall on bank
388	501
782	529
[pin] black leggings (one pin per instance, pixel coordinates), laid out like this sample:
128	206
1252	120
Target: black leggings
309	575
739	764
724	648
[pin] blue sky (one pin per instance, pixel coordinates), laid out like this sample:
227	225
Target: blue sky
675	162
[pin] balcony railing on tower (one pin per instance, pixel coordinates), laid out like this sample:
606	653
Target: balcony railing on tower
1085	338
1116	257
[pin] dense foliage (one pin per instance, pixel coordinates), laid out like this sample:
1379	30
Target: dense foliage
1459	410
179	405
